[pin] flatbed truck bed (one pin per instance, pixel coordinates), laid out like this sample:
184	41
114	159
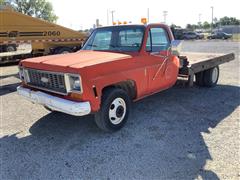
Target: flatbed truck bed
193	63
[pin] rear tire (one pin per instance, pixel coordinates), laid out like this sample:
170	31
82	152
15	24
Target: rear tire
10	48
211	76
114	110
63	50
207	78
199	79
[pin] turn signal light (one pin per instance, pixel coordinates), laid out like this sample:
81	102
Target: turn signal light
76	96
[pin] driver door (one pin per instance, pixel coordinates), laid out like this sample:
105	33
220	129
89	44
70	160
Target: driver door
163	70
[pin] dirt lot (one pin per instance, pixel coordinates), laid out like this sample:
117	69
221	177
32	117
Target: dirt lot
176	134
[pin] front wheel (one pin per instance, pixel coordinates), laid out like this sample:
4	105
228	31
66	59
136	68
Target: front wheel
114	110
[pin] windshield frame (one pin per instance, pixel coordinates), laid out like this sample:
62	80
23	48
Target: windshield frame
115	29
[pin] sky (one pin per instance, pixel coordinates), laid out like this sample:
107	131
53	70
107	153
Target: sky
80	15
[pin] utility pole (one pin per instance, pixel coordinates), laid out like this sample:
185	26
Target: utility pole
112	12
148	20
107	16
199	18
212	20
165	13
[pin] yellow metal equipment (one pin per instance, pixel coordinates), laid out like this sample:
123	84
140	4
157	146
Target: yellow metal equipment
44	37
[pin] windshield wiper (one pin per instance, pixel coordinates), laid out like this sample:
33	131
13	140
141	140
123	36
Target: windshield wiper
111	45
117	48
92	45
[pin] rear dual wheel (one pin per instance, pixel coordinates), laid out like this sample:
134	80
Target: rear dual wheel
208	78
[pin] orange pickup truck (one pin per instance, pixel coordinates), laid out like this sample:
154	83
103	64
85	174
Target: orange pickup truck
116	66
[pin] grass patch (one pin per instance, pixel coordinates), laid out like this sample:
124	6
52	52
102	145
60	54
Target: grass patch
236	37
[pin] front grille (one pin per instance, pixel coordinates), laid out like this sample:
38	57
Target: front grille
47	80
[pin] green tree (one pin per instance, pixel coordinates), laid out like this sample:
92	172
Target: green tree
206	25
192	27
175	26
229	21
36	8
189	26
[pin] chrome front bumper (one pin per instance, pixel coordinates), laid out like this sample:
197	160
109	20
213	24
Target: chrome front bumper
55	103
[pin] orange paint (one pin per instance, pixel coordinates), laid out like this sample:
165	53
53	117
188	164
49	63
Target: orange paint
150	72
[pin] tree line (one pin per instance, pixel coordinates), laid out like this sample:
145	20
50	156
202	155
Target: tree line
42	9
216	23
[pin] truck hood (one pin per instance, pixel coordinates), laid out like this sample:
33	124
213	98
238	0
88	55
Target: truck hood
75	60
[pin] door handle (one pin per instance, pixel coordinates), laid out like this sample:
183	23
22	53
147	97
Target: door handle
159	55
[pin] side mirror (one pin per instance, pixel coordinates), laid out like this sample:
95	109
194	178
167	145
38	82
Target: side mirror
176	46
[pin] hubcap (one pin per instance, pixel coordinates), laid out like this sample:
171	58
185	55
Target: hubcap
214	75
117	111
10	49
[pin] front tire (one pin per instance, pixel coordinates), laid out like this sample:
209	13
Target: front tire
114	110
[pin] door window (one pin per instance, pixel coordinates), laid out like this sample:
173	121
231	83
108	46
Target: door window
157	40
130	39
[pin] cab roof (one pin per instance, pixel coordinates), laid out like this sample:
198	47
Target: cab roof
131	25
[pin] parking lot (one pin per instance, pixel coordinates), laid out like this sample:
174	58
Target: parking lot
181	133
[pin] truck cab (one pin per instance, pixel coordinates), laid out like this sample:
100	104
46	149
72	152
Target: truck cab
149	48
117	65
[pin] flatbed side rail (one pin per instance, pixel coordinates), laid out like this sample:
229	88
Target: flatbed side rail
212	62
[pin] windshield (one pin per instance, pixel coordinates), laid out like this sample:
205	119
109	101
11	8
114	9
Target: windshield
116	38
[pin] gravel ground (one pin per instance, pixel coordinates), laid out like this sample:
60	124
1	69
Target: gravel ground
181	133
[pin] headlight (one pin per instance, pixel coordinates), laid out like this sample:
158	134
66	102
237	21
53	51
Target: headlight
73	83
21	73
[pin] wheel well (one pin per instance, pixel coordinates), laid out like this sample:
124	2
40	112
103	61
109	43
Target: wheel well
129	86
58	49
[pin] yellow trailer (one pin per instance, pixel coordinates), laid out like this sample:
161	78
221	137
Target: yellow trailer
44	37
